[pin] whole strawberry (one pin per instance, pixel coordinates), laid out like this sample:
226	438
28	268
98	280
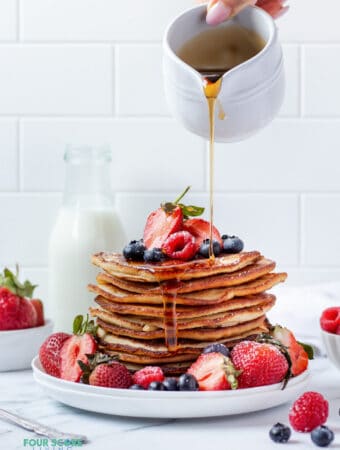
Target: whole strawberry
113	375
214	372
260	364
16	311
309	411
49	353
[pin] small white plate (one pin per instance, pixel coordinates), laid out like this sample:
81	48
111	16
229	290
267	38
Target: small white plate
127	402
18	347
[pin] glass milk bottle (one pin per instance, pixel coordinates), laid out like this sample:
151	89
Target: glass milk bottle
87	223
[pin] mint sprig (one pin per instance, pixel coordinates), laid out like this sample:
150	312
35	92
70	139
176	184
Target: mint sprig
82	326
187	210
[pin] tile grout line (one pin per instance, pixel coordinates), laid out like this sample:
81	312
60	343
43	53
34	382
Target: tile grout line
19	156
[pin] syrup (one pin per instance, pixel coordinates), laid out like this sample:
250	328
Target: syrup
169	295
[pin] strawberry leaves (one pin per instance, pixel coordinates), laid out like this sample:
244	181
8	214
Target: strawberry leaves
10	281
93	361
187	210
81	326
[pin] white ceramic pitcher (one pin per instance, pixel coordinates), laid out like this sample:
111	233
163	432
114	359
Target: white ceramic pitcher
251	93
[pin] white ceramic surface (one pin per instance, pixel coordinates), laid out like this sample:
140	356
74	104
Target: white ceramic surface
18	347
125	402
251	93
331	343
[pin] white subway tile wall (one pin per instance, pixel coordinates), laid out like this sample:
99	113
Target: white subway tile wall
90	72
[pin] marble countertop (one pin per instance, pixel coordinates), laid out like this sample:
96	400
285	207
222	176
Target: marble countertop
20	394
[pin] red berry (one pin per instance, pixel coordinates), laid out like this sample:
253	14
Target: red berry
15	312
181	245
308	412
160	225
75	348
260	364
296	352
113	375
49	353
200	229
330	320
145	376
39	309
214	372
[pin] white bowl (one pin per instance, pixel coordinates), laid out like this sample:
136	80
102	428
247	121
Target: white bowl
18	347
251	93
331	343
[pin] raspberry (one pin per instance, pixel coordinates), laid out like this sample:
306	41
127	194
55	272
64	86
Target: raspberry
330	320
145	376
180	245
308	412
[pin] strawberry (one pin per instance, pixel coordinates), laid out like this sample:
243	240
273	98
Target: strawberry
147	375
181	245
200	229
214	372
16	311
297	353
49	353
260	364
166	220
330	320
113	375
39	309
160	225
77	348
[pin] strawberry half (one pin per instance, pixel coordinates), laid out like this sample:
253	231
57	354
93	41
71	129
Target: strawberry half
77	348
214	372
297	353
200	229
160	225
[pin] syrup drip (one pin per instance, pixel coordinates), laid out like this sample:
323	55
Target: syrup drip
211	88
169	294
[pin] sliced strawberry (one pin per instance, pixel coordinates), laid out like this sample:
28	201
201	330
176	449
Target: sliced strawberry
297	353
39	309
330	320
75	348
200	228
181	245
160	224
214	372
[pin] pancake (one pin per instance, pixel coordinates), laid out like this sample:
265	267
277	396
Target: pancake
237	278
116	265
205	297
182	311
187	344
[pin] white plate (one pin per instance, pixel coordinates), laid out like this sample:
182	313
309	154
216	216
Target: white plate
18	347
126	402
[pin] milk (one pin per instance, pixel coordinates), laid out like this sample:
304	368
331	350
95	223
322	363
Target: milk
87	223
76	236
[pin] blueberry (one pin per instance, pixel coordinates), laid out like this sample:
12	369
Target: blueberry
154	255
156	386
232	244
280	433
187	382
322	436
205	247
137	387
219	348
134	251
170	384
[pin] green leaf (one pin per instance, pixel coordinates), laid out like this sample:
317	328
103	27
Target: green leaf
191	210
11	282
308	349
77	324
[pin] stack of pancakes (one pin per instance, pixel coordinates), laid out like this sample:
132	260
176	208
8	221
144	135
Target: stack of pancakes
165	313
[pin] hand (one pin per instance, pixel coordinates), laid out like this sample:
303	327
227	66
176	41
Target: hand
221	10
